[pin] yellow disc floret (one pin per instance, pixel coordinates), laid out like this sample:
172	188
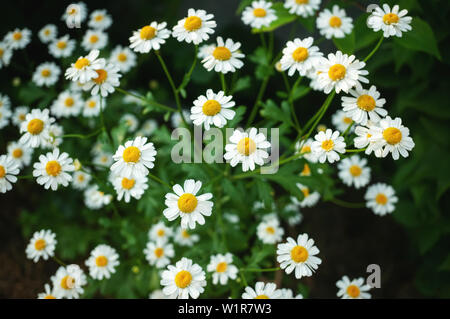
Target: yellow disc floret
221	267
40	244
337	72
53	168
35	126
392	135
299	254
327	145
211	107
101	261
259	12
353	291
366	102
187	203
246	146
300	54
390	18
147	33
81	63
131	154
192	23
183	279
222	53
128	183
335	22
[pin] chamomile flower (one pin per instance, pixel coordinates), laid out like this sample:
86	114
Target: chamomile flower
327	145
392	137
105	82
80	180
304	148
222	268
214	108
96	199
183	237
100	20
68	281
8	171
352	289
20	154
391	22
123	57
133	159
299	55
48	33
5	54
205	50
5	102
225	57
56	132
354	171
269	231
306	171
102	262
46	74
36	128
187	205
183	280
94	40
130	121
53	169
19	115
176	119
148	127
286	293
259	14
129	187
195	28
18	39
303	8
381	199
158	253
231	218
91	107
61	47
75	14
262	291
41	245
247	148
149	37
309	198
334	23
364	105
103	159
160	232
341	121
298	255
5	114
67	104
49	293
363	139
83	70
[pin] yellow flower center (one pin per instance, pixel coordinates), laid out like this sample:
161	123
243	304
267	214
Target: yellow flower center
192	23
187	203
35	126
69	102
392	135
335	22
347	120
2	171
45	73
299	254
39	244
306	170
46	32
259	12
305	149
81	63
101	261
305	191
72	11
17	153
353	291
366	102
128	183
183	279
17	36
92	104
131	154
390	18
211	107
1	52
98	18
49	297
147	33
262	297
161	232
101	78
381	199
246	146
122	57
300	54
81	178
61	45
22	117
159	252
93	38
53	168
67	282
221	267
185	234
222	53
337	72
327	145
301	1
270	230
355	170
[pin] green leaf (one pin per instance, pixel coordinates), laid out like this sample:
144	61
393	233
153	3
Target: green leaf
271	111
364	36
242	84
240	111
347	44
265	192
283	18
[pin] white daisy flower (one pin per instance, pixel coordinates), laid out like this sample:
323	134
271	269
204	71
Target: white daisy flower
286	293
5	114
262	291
391	22
131	121
5	54
205	50
96	199
67	104
334	23
247	148
231	218
48	33
352	289
381	199
127	188
341	121
62	47
304	147
340	72
269	231
91	106
160	232
52	169
75	13
303	8
106	80
354	171
18	39
100	20
364	105
392	137
195	28
68	281
102	262
123	57
259	14
327	145
84	68
309	198
36	128
214	108
20	154
176	120
80	180
298	255
183	280
157	294
225	57
5	102
94	40
222	268
56	132
103	159
183	237
148	127
187	205
299	55
46	74
19	115
133	159
363	139
158	253
41	245
149	37
49	293
8	171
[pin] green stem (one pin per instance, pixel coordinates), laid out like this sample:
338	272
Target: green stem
152	103
83	136
291	103
259	270
374	49
188	75
345	204
348	129
59	261
157	179
258	99
222	81
25	177
102	121
322	111
356	151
